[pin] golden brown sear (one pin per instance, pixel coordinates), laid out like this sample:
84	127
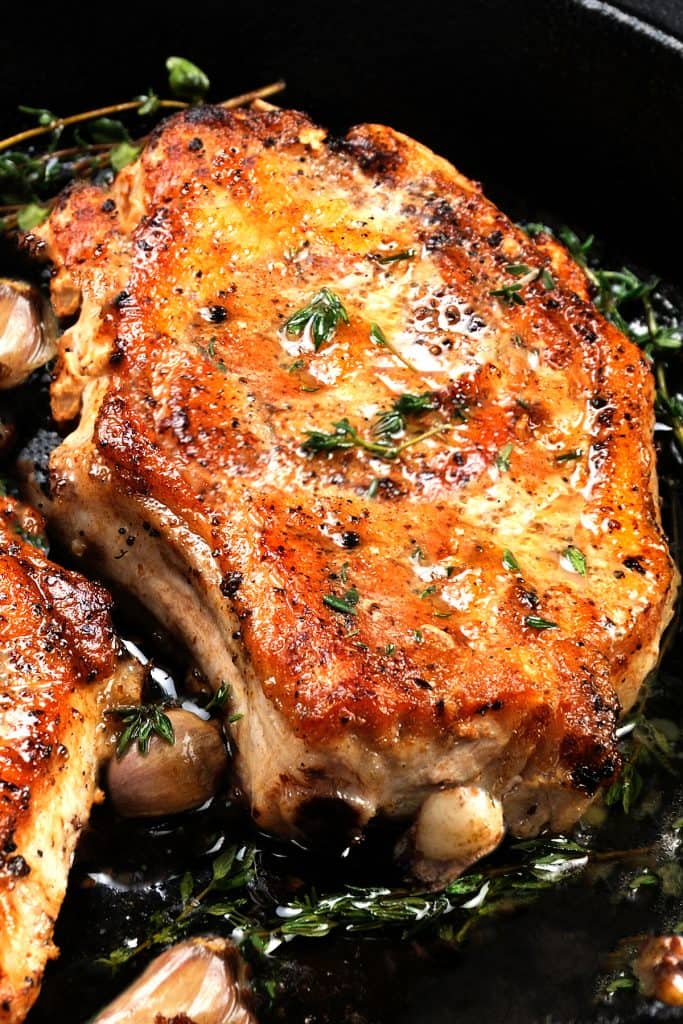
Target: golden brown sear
59	659
374	454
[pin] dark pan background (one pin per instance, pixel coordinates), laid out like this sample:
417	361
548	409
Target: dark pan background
570	107
574	104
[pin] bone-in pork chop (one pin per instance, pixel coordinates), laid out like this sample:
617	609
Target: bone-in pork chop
373	453
60	669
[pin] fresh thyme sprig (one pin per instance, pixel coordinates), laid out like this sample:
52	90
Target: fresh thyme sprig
36	163
231	872
536	866
322	315
346	436
511	294
141	723
394	421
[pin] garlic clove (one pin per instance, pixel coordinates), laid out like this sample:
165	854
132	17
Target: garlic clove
659	967
28	332
202	980
171	777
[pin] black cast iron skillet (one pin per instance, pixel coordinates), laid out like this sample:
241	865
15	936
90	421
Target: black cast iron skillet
570	109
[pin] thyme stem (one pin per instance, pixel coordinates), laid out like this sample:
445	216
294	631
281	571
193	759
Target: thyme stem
86	115
120	108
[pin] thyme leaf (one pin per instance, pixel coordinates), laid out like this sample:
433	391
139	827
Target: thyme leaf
379	337
124	153
510	294
502	459
141	723
346	604
536	622
394	257
576	559
219	698
31	215
509	561
394	421
575	453
323	313
186	80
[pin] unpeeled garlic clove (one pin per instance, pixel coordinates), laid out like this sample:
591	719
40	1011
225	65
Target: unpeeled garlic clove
28	332
170	777
202	980
659	967
453	828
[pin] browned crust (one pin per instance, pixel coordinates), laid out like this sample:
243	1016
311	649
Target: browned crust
202	434
57	644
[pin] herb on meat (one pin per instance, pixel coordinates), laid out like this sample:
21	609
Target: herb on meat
378	336
346	604
346	436
209	352
510	294
576	559
547	280
394	421
509	561
503	458
535	622
322	315
518	269
393	257
575	453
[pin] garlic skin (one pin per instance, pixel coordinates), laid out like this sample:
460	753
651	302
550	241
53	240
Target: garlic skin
659	967
202	981
171	777
28	332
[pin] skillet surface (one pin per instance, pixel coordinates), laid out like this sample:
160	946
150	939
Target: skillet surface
566	110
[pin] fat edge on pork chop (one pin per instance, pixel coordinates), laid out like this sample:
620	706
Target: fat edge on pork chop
375	456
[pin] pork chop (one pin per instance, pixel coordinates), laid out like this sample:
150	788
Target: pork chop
375	456
60	669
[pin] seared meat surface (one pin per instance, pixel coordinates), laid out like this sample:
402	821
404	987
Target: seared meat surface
373	453
60	668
